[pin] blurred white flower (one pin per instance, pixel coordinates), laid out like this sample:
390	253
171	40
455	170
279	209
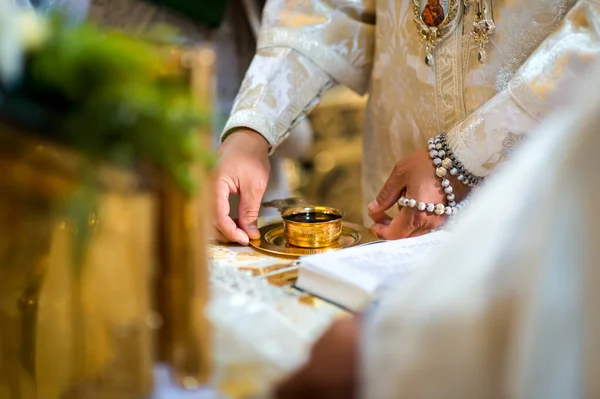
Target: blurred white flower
11	44
21	29
33	29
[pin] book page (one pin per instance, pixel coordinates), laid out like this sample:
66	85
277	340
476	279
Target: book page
369	266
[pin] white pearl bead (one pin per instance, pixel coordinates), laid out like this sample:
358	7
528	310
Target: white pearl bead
431	147
433	153
440	209
460	177
441	172
450	197
448	211
430	207
445	182
421	206
401	200
437	161
441	153
405	201
447	163
453	171
430	141
448	189
437	139
412	203
438	146
452	203
454	211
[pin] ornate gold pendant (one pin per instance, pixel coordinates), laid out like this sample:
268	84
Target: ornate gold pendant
483	27
435	20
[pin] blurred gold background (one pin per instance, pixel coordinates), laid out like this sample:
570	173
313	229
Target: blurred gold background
331	173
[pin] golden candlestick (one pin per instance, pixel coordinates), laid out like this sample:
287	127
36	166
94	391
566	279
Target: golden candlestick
71	330
184	282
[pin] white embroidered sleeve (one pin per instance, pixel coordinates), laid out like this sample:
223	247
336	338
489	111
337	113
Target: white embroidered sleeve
304	48
486	138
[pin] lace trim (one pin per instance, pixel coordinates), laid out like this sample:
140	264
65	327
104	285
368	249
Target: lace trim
264	352
520	92
335	65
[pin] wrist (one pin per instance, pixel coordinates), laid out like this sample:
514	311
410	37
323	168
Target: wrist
455	181
248	137
461	190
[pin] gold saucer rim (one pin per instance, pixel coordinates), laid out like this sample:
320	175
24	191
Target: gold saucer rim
348	230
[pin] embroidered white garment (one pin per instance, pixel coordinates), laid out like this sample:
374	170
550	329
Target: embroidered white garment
509	308
373	46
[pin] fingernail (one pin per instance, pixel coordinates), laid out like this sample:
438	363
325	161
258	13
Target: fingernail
243	239
253	232
373	206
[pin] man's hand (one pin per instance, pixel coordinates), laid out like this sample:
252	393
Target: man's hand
244	170
331	372
415	178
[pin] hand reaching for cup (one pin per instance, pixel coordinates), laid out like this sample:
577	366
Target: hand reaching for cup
243	170
413	177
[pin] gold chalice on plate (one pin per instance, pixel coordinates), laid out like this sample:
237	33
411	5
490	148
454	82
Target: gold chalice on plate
308	230
312	226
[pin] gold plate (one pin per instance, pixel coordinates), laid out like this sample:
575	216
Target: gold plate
273	241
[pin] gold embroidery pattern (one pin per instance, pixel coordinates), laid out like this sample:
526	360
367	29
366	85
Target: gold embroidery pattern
449	80
510	143
521	93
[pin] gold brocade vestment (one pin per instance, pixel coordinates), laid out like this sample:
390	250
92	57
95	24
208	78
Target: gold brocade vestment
514	314
306	47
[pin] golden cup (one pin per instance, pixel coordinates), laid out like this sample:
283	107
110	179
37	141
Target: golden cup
312	226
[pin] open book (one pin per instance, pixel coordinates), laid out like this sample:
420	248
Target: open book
351	277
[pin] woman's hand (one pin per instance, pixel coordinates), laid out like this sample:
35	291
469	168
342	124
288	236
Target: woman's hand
244	170
331	372
413	177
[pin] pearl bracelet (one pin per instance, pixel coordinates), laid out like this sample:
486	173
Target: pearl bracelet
441	171
438	209
445	162
442	163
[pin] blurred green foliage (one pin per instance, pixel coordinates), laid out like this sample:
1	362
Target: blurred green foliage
116	98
